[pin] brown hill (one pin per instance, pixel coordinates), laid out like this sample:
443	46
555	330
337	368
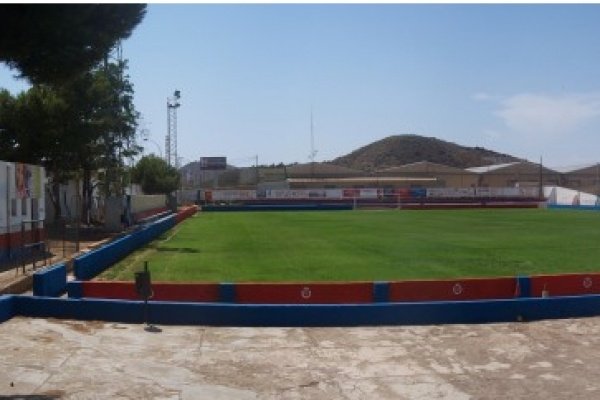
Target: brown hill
404	149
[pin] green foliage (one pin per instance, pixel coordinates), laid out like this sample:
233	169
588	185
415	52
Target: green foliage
31	125
86	124
370	246
53	43
155	175
102	121
7	111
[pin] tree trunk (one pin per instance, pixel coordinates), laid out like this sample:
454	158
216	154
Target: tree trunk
54	195
87	190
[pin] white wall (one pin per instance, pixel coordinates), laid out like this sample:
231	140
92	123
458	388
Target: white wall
145	202
568	197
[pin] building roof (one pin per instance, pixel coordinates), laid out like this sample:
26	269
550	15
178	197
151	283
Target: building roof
576	168
357	180
425	167
490	168
519	167
320	170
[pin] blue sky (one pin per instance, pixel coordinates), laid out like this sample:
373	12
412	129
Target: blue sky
521	79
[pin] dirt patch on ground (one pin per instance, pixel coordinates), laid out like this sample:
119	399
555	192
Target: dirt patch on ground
79	326
544	360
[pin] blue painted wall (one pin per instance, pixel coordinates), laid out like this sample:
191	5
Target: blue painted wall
51	281
216	314
524	283
381	292
568	207
93	263
75	289
7	309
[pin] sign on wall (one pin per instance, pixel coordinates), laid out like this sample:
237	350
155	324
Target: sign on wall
23	180
28	181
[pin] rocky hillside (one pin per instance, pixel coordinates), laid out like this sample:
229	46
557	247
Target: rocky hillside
405	149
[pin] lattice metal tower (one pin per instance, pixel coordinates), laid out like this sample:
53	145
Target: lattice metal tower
171	138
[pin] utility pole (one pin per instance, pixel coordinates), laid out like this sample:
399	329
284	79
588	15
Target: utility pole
257	174
597	180
541	191
171	138
313	152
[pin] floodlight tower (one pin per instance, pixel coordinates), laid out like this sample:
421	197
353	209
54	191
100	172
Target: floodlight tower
171	138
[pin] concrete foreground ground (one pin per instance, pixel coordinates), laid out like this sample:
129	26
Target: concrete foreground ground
64	359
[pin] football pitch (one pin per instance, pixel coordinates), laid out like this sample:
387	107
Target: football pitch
369	246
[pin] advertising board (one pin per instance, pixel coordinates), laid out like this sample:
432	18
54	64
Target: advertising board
213	163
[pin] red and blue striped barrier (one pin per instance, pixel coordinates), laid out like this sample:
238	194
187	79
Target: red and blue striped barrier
351	292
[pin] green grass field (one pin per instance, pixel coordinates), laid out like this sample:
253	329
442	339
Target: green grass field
369	245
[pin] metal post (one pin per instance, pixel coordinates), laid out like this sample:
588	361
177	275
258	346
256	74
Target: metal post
8	211
146	298
144	289
64	236
78	216
168	137
541	192
23	247
597	180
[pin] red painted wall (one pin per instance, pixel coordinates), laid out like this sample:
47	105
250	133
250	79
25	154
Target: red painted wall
348	293
453	206
185	213
197	292
461	289
304	293
148	213
15	239
565	285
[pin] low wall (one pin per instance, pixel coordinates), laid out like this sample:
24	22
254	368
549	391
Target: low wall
6	308
93	263
565	285
301	315
51	281
141	203
576	207
453	290
304	293
146	214
11	243
279	207
185	213
350	292
209	292
248	293
460	206
348	205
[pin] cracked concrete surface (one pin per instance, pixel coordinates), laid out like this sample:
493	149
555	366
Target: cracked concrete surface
67	359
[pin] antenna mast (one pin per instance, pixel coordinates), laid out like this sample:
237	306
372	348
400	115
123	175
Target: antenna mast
313	152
